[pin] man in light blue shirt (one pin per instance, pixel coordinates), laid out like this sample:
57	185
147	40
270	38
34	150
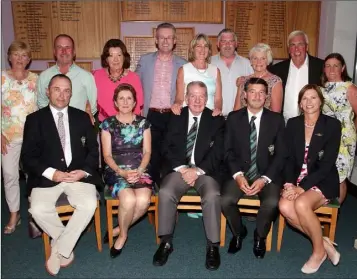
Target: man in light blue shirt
83	85
231	65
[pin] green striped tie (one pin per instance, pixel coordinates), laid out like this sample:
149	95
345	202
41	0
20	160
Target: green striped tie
191	138
252	173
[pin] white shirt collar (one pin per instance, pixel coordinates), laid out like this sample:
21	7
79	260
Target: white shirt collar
55	110
190	115
257	115
306	62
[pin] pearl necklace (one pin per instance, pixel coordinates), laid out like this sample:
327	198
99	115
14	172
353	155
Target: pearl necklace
307	125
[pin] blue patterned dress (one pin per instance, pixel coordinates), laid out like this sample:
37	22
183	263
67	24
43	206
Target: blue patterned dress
127	152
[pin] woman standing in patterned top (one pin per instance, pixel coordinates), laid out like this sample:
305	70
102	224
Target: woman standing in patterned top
126	142
19	98
260	57
341	103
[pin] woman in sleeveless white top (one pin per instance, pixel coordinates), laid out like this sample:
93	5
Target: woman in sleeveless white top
199	69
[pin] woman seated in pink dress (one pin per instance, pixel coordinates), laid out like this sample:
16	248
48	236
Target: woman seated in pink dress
116	63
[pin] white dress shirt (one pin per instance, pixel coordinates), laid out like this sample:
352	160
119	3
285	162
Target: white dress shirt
49	172
297	79
257	128
239	67
191	121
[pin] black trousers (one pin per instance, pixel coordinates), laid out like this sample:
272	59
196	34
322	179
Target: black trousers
269	198
159	125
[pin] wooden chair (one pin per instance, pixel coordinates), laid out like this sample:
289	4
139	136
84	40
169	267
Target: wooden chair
65	210
190	201
327	215
248	204
113	208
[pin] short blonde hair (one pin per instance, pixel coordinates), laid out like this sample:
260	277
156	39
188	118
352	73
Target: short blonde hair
193	44
298	33
261	47
18	46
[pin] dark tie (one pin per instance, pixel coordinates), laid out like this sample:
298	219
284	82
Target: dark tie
61	132
252	173
191	138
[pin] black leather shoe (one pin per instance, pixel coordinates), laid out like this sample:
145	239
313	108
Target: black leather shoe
115	252
213	259
162	254
236	242
259	247
106	238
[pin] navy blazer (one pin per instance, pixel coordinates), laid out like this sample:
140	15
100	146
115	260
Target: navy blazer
42	147
323	151
271	150
209	142
146	70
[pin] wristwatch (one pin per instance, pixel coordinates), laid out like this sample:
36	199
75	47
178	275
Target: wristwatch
266	181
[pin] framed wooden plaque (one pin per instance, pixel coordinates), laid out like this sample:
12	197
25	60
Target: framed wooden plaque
137	46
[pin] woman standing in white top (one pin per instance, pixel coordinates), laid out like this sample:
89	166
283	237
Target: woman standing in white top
199	69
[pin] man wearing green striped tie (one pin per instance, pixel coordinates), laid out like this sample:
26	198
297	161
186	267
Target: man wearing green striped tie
193	150
255	154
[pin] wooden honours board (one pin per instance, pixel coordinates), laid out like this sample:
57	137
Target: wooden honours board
139	45
213	40
271	22
89	23
203	11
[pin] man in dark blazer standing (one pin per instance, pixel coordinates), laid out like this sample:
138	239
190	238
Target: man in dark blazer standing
60	155
296	72
158	73
255	153
194	152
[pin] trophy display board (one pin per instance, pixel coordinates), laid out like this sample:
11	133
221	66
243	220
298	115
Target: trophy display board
203	11
213	40
184	36
271	22
89	23
88	66
137	46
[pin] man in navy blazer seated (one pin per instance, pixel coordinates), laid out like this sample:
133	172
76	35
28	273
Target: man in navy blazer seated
60	155
255	154
158	73
194	152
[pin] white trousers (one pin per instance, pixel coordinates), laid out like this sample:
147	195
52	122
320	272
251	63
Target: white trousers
82	196
10	170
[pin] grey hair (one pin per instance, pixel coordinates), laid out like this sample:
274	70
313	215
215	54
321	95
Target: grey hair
199	83
261	47
227	31
298	33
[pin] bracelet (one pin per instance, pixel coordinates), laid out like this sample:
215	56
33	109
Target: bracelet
141	170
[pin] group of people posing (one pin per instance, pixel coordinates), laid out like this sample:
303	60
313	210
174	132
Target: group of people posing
224	125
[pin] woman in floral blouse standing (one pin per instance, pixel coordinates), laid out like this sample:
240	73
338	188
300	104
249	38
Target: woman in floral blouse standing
19	98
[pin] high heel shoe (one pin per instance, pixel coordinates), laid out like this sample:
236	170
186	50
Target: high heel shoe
115	252
10	229
309	270
334	256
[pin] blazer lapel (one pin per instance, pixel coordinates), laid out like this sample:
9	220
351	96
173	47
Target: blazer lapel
203	134
51	128
316	140
72	131
244	129
151	71
263	131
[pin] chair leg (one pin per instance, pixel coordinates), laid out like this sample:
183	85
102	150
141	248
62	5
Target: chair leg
281	227
110	222
270	237
98	231
157	220
333	224
326	229
46	242
223	230
151	217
